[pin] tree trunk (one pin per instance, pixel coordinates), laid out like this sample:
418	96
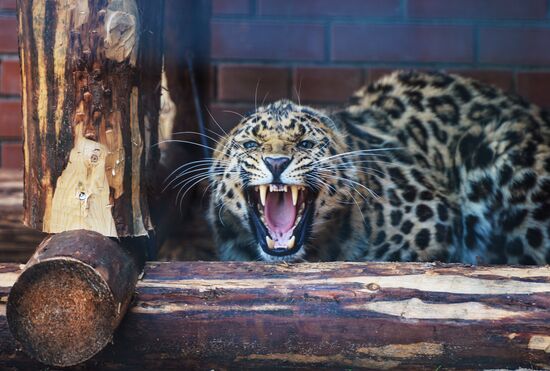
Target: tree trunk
333	315
91	78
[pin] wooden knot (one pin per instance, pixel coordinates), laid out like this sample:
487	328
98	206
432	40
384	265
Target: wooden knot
79	117
90	133
373	286
121	31
87	97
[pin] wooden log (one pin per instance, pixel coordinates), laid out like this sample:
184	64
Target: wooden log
330	315
71	296
90	96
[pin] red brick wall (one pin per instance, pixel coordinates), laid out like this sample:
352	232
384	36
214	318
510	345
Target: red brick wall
11	155
325	49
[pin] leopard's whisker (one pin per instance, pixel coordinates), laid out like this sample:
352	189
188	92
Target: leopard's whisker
361	152
197	133
355	201
216	122
371	192
256	95
205	173
208	161
198	169
235	113
194	164
196	180
186	142
363	170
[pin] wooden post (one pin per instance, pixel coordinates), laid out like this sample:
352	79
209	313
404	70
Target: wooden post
91	85
91	98
409	316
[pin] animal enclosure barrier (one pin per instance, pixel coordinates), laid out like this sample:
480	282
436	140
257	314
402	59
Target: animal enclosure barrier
91	77
192	315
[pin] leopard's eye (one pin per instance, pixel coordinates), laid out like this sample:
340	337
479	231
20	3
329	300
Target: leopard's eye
251	144
306	144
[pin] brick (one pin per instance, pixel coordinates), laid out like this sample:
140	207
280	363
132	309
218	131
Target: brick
375	74
8	35
326	85
10	79
10	119
227	115
500	78
478	9
7	4
266	40
535	86
238	83
11	155
515	45
330	8
230	7
402	43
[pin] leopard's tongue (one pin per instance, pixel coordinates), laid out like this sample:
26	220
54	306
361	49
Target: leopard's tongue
280	214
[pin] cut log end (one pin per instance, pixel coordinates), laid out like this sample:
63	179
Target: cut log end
66	304
62	312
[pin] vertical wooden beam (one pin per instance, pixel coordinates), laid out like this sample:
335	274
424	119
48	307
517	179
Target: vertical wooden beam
91	74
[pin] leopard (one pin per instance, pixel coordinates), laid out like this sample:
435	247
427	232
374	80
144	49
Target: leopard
417	167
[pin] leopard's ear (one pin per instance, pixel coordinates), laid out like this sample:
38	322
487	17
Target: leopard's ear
321	115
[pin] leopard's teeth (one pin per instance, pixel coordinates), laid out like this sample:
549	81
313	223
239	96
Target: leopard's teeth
263	193
295	191
291	242
270	242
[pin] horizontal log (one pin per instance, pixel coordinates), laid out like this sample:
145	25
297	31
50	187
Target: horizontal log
335	315
76	283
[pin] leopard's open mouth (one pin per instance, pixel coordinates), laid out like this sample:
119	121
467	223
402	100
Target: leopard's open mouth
281	216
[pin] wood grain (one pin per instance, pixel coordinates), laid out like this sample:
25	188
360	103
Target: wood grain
410	316
91	77
71	296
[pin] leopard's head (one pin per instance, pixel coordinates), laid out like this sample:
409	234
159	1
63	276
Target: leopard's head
275	176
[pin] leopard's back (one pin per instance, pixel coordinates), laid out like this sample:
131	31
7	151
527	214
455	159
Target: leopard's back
462	169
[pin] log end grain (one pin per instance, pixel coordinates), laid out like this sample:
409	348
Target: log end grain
61	311
71	296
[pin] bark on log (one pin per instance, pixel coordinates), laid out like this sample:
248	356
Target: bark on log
336	315
72	294
90	96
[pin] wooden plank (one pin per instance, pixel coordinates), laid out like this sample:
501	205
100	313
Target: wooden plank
332	315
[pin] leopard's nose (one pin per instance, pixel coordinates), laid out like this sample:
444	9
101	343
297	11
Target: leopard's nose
277	165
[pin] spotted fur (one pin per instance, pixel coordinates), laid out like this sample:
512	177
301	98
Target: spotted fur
451	170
